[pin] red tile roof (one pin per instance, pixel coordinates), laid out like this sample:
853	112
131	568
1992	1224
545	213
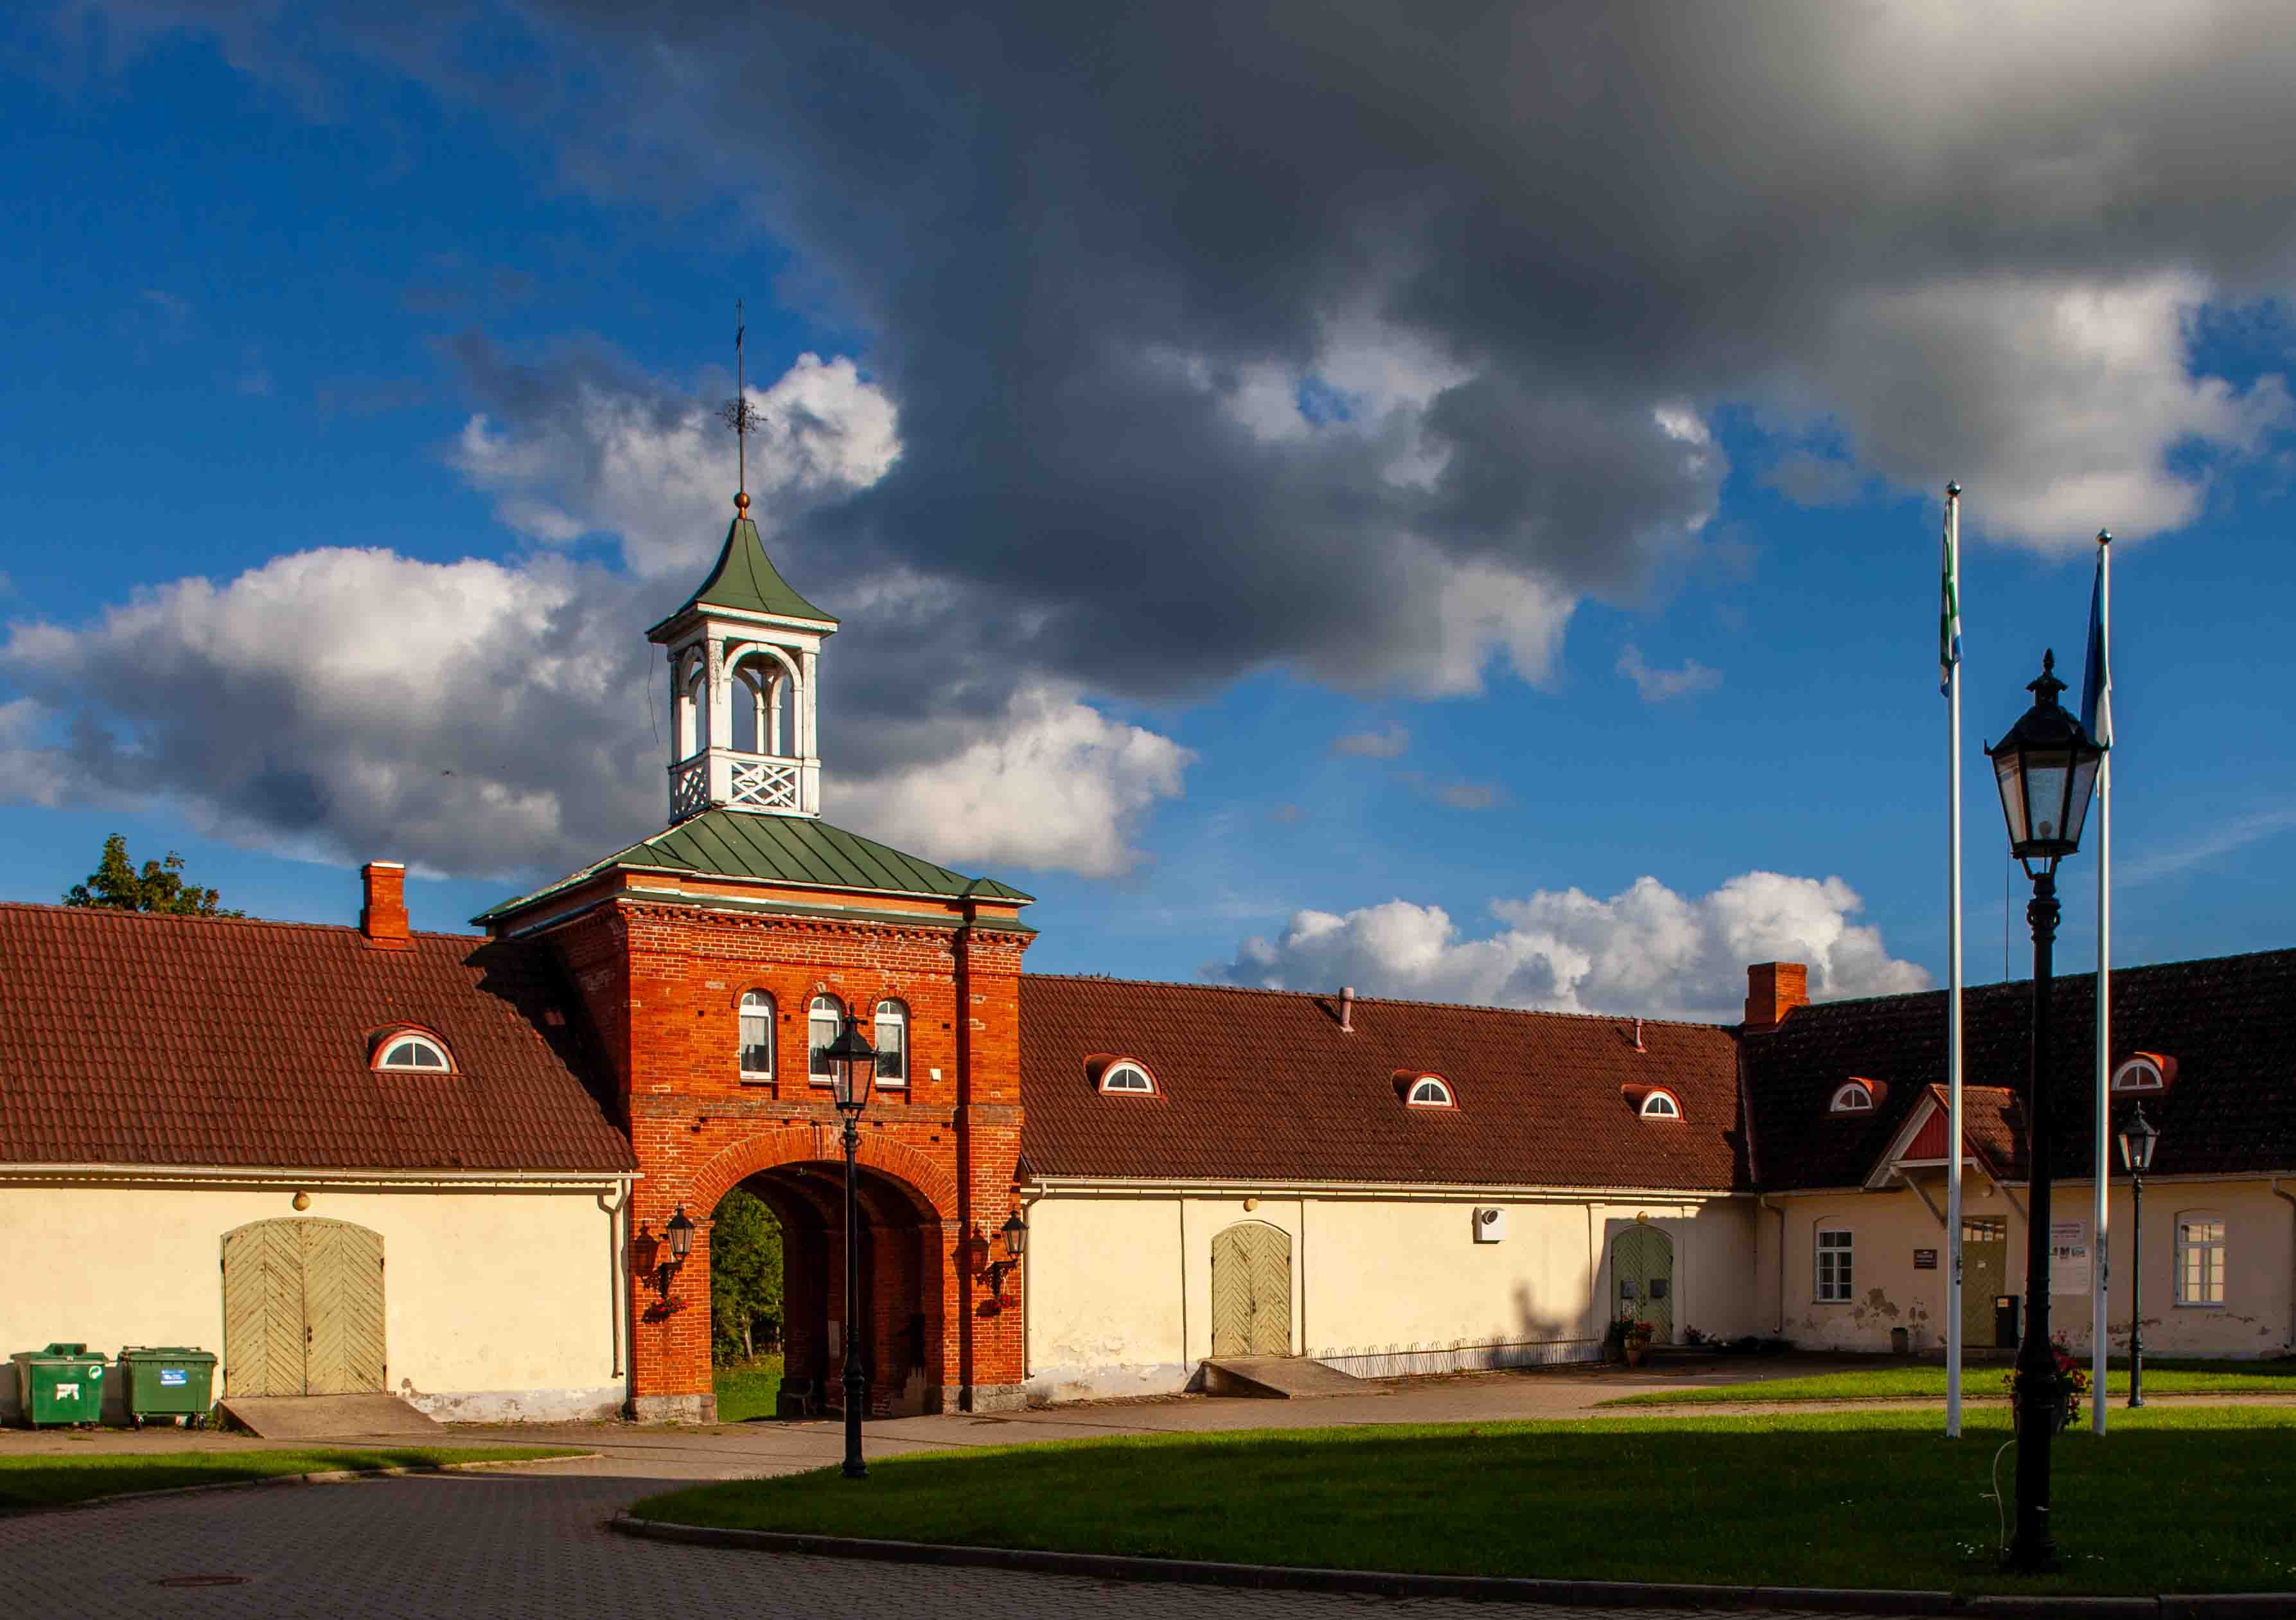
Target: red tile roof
2230	1021
1263	1086
127	1039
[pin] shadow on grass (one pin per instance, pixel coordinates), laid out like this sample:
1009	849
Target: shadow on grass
55	1482
1873	1500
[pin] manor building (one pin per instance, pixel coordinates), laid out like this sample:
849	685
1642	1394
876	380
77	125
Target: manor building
448	1166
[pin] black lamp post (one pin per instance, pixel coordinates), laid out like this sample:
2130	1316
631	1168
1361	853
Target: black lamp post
2138	1138
852	1065
2046	769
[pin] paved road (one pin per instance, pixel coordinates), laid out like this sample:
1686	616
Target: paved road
532	1541
520	1545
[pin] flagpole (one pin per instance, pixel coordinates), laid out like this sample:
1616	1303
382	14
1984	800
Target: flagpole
1950	651
2100	1253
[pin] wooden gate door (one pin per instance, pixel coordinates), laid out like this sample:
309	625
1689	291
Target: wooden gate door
1252	1290
1642	1278
302	1309
1984	1276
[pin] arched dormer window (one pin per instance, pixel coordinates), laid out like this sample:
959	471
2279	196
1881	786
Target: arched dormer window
410	1052
1430	1091
2145	1071
1126	1078
757	1035
1659	1104
765	706
1852	1097
891	1040
822	1020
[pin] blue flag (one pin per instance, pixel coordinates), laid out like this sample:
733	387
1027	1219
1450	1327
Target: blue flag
2096	679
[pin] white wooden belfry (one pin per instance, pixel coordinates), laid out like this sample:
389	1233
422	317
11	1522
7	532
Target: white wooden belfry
743	654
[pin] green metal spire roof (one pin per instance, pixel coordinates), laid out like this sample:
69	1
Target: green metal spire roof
745	580
781	848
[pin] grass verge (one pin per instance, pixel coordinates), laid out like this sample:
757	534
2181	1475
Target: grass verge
54	1482
748	1389
2165	1377
1866	1499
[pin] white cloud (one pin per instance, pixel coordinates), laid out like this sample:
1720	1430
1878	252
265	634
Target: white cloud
1056	783
1386	744
1645	950
1657	685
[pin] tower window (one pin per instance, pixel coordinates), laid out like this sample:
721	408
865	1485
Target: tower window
408	1050
892	1043
822	1020
757	1035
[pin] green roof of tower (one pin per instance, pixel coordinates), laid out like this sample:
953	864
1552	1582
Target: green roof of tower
746	580
795	850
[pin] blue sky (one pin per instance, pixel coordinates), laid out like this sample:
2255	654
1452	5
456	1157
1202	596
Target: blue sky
301	290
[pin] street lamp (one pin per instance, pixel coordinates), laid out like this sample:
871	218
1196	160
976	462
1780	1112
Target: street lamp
2138	1139
852	1065
681	1236
1015	1233
2046	769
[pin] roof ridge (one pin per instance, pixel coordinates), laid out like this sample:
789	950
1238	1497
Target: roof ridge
2074	976
122	912
1462	1006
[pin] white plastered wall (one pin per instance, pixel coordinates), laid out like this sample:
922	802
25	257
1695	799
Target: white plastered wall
498	1302
1119	1282
2257	1318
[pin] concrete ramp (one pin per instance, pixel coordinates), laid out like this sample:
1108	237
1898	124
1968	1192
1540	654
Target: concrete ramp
1279	1378
331	1418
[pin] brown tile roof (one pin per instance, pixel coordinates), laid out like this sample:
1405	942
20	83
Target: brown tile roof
136	1039
2230	1021
1262	1085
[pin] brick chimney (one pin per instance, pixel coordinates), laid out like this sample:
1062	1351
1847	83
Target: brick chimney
1773	989
383	917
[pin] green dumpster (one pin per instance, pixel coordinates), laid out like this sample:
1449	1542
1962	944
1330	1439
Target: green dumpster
167	1381
62	1384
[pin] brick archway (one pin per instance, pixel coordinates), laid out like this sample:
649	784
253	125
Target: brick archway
902	1163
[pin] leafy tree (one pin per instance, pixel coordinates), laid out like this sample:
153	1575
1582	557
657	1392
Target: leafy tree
745	1276
160	887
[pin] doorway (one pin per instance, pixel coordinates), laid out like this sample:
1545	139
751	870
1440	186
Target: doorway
1642	1278
1984	1278
1252	1290
302	1309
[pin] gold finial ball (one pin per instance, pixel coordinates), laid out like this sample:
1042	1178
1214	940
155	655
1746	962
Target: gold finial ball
302	1200
742	503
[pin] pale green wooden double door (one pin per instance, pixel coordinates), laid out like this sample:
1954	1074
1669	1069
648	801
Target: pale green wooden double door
1642	1278
1252	1290
302	1309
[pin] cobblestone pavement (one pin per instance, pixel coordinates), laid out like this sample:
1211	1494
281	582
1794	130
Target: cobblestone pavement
516	1545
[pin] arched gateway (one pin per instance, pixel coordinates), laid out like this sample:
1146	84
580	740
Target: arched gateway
714	958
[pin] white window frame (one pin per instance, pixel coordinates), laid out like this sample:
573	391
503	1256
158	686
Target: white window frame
1126	1065
754	1004
896	1015
398	1038
821	1008
2210	1254
1650	1110
2139	1074
1841	1278
1442	1090
1852	1097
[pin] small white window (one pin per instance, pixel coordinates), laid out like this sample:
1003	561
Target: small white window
1833	1249
2199	1259
1429	1092
1128	1077
1853	1098
822	1020
2139	1073
757	1035
1660	1104
406	1051
892	1043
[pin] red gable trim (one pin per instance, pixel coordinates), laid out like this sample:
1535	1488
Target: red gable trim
1922	1138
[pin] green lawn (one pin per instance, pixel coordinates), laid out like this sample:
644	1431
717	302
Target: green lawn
51	1482
1868	1498
746	1389
2166	1377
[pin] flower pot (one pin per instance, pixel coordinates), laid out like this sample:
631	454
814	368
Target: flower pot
1636	1349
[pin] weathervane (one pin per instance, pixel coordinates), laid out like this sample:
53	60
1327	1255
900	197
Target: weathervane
740	414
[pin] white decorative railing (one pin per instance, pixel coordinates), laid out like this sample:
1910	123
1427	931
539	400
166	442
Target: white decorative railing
689	788
765	783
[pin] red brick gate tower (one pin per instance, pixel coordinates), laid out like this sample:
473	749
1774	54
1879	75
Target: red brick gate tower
713	959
